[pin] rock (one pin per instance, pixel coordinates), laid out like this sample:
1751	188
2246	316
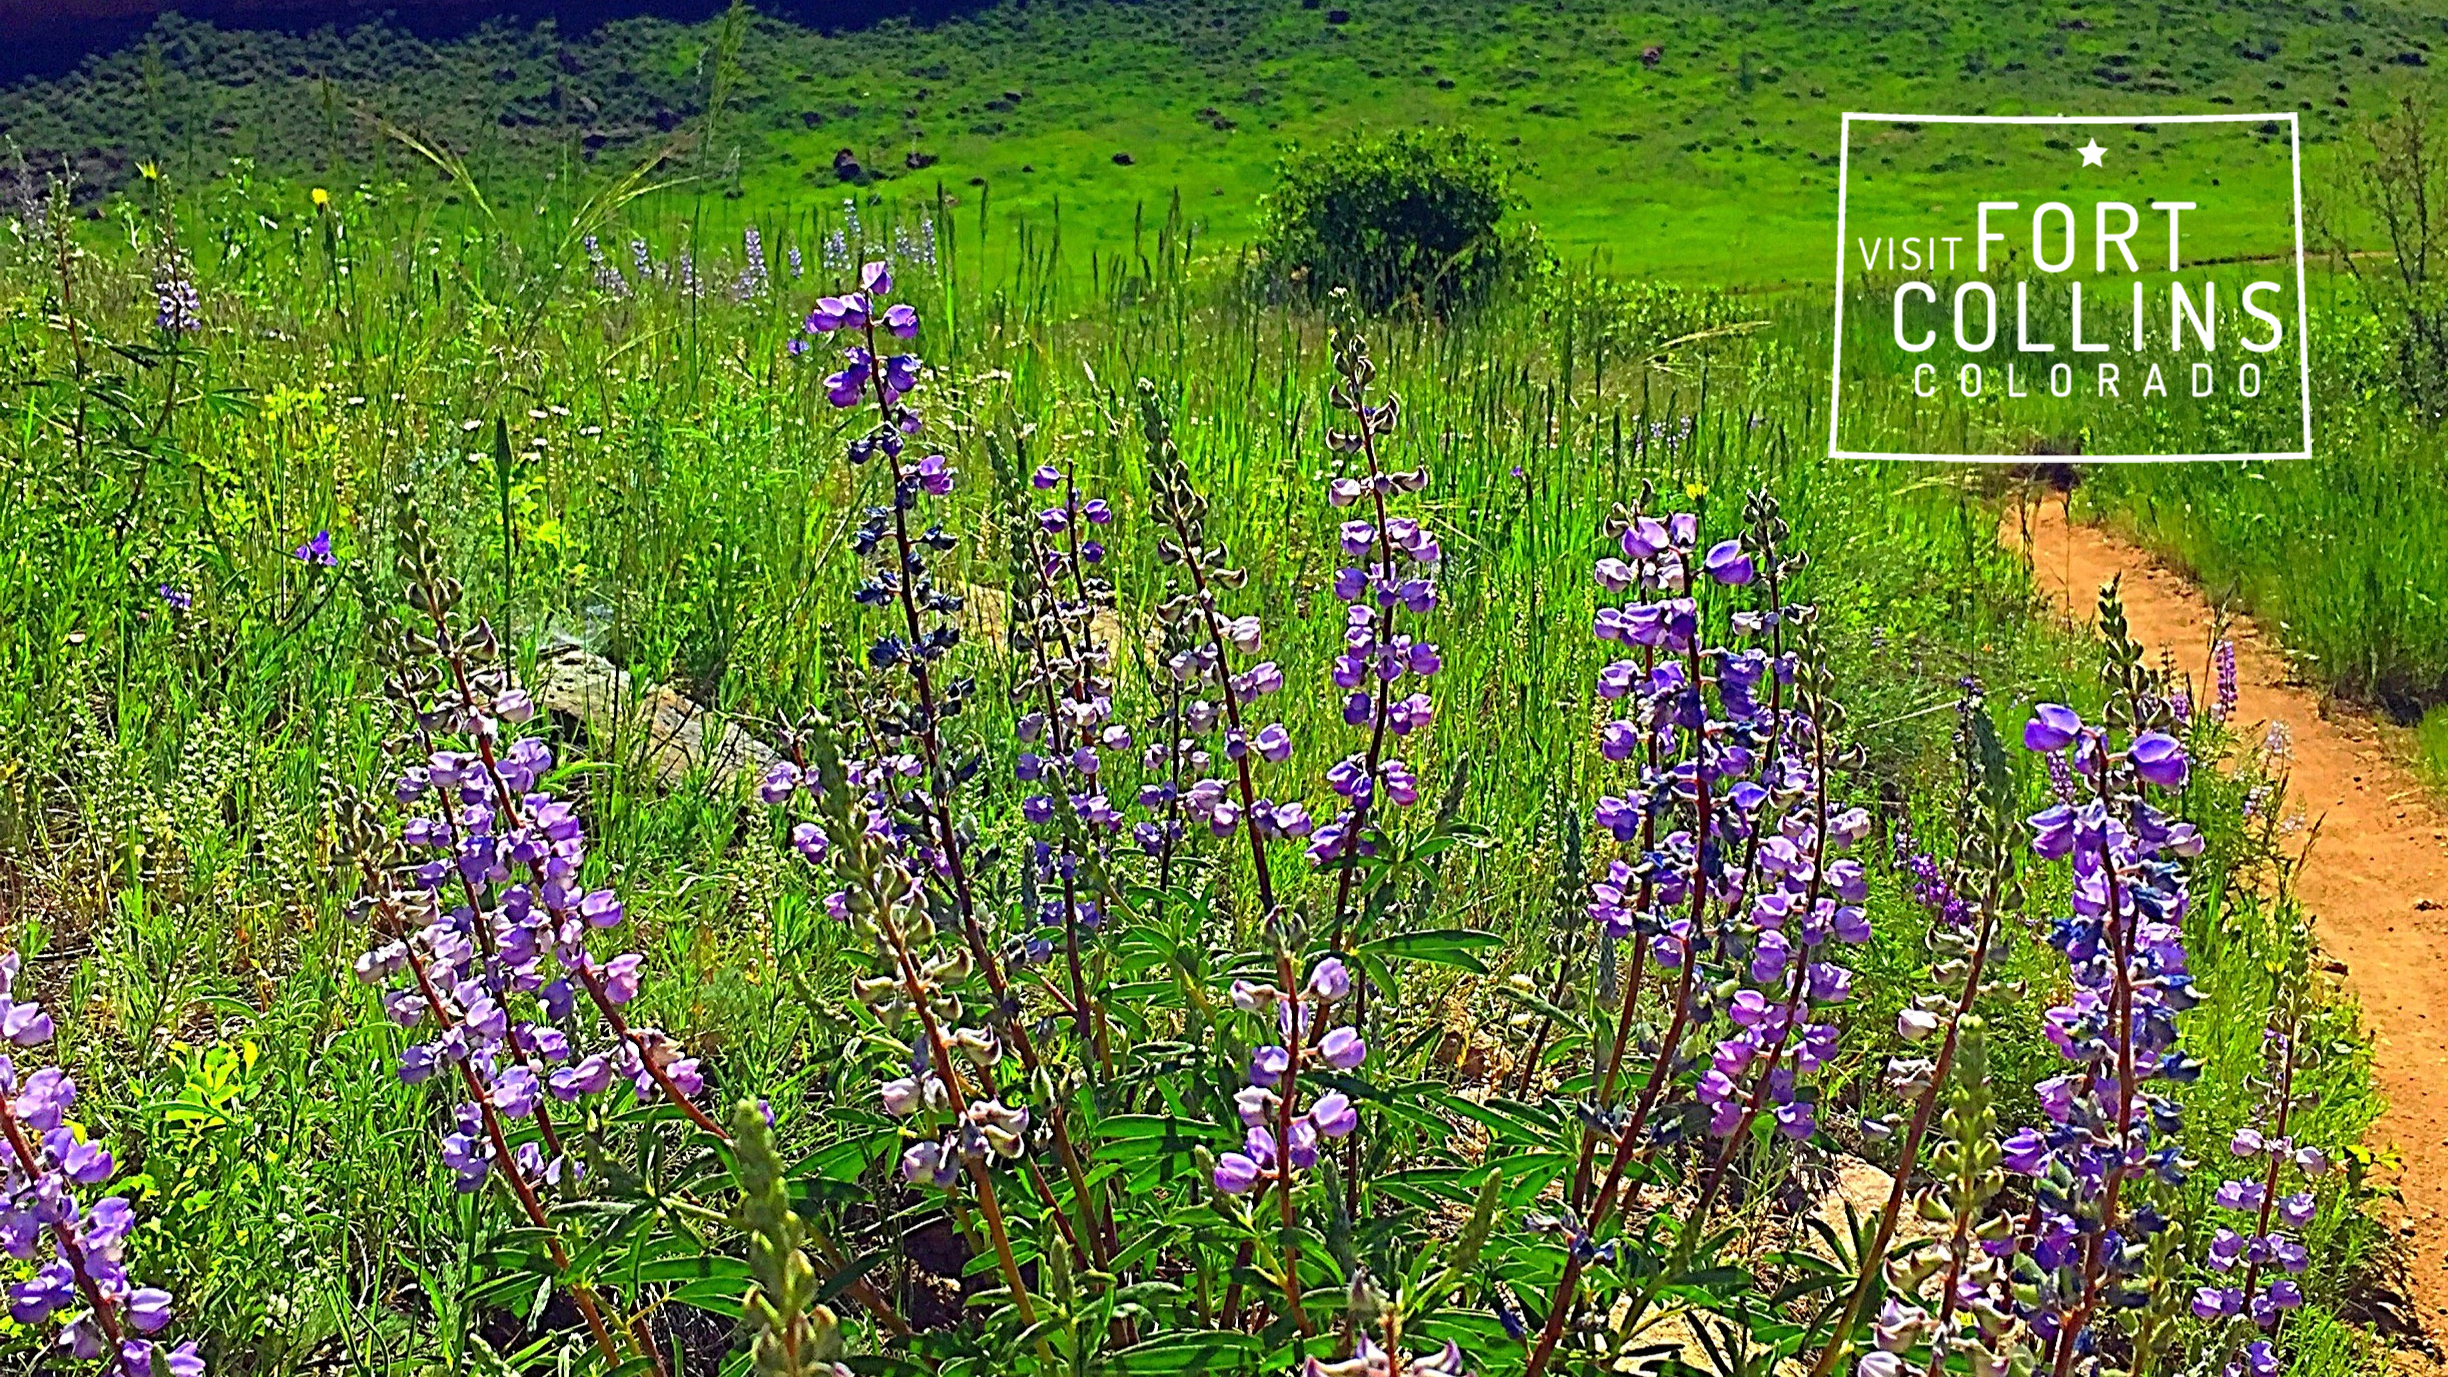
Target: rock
656	728
986	615
1122	159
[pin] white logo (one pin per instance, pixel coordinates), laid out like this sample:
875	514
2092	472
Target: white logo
2003	291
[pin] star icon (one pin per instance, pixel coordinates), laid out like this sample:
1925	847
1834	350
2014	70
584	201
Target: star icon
2092	153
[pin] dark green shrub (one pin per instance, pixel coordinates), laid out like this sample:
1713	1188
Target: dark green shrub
1412	216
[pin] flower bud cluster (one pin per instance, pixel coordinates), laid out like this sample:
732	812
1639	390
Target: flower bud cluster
1069	740
1215	683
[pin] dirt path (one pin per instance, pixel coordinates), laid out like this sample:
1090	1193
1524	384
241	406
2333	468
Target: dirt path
2376	879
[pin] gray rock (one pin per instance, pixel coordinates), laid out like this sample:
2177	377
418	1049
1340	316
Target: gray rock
655	727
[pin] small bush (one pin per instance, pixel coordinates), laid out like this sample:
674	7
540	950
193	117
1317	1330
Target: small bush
1416	216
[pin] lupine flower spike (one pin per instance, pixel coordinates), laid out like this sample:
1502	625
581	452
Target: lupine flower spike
1735	853
77	1251
1389	572
2109	1143
1070	742
1206	642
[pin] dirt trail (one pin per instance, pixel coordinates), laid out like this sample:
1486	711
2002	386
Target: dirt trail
2377	876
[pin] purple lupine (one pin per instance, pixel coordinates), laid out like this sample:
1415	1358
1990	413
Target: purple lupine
912	772
1368	1360
2107	1136
2223	667
909	730
498	928
1802	902
49	1159
607	276
1389	571
1731	846
1071	746
1215	679
753	282
317	550
1932	887
1283	1137
915	248
177	309
2269	1243
485	936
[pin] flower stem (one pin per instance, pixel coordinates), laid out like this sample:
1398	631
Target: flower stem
1910	1155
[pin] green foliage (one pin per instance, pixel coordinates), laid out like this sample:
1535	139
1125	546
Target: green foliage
1412	216
674	502
1715	163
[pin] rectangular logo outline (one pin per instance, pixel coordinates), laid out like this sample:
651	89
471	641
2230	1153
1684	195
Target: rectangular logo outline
2303	341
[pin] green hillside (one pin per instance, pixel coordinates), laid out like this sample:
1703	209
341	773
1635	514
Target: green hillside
1672	137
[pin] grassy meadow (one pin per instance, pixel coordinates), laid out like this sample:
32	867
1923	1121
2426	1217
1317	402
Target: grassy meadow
1670	139
585	382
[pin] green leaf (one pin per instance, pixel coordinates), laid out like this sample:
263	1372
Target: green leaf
848	1159
1458	947
1203	1351
1510	1121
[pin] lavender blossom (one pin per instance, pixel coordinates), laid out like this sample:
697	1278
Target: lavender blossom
1383	671
1215	681
85	1276
316	551
2108	1137
2256	1255
753	282
2223	666
178	310
1071	745
1732	850
1282	1137
607	276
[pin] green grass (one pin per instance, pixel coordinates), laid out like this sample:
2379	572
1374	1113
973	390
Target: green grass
2341	554
1716	164
169	773
165	778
